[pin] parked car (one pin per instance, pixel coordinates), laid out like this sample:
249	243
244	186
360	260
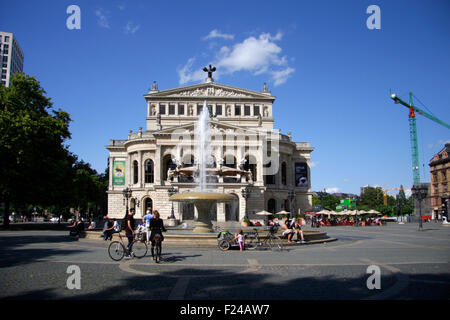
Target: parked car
54	219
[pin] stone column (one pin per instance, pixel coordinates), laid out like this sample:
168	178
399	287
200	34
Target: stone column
157	165
141	169
110	178
129	169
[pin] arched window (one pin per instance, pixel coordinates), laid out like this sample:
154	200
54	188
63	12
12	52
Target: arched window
230	161
135	172
283	173
269	178
232	209
168	164
250	164
148	205
149	171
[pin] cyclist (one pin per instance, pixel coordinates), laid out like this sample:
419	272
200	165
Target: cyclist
129	231
156	227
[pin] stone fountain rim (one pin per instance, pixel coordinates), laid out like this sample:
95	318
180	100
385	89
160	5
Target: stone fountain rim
204	196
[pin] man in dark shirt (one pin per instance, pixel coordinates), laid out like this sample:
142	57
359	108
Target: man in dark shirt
129	231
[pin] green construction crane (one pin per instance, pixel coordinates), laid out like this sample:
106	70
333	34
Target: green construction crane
413	131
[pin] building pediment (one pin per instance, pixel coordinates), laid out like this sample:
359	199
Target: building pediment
208	91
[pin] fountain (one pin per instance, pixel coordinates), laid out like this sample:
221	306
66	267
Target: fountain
202	199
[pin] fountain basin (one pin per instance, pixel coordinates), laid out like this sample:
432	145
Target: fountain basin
203	201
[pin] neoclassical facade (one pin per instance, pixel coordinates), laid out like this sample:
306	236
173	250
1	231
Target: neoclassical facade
246	153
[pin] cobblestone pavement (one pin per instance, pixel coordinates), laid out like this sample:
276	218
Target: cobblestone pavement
413	265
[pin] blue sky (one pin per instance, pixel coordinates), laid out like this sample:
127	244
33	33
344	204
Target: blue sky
331	75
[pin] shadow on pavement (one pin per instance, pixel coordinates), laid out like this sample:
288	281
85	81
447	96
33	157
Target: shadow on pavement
14	252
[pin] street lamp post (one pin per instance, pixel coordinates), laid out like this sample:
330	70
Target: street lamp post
171	191
126	195
245	194
420	192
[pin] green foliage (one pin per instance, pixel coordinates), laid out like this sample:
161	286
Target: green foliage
384	210
372	197
330	202
36	168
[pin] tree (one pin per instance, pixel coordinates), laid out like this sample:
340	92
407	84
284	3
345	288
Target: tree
34	160
330	202
372	197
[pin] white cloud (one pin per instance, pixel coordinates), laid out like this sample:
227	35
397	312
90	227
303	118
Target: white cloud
102	18
332	190
131	28
257	55
121	6
346	180
216	34
314	164
281	76
186	75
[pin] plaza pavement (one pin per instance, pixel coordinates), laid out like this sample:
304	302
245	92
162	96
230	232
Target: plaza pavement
413	264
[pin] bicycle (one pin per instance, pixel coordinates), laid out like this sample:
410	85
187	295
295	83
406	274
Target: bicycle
117	249
225	240
157	238
272	241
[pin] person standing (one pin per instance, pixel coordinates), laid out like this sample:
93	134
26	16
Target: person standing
240	239
129	232
108	229
146	222
156	227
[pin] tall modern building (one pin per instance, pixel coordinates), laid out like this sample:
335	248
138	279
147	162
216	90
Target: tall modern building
11	57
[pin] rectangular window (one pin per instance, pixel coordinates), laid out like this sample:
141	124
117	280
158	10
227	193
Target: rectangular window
181	109
3	76
246	110
5	58
171	109
199	108
6	38
256	110
162	109
237	110
219	109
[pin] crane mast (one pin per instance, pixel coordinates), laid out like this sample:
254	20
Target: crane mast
413	131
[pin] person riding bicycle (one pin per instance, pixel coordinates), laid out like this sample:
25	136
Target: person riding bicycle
129	231
156	227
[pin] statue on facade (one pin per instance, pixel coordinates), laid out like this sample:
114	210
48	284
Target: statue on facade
170	174
210	71
259	120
